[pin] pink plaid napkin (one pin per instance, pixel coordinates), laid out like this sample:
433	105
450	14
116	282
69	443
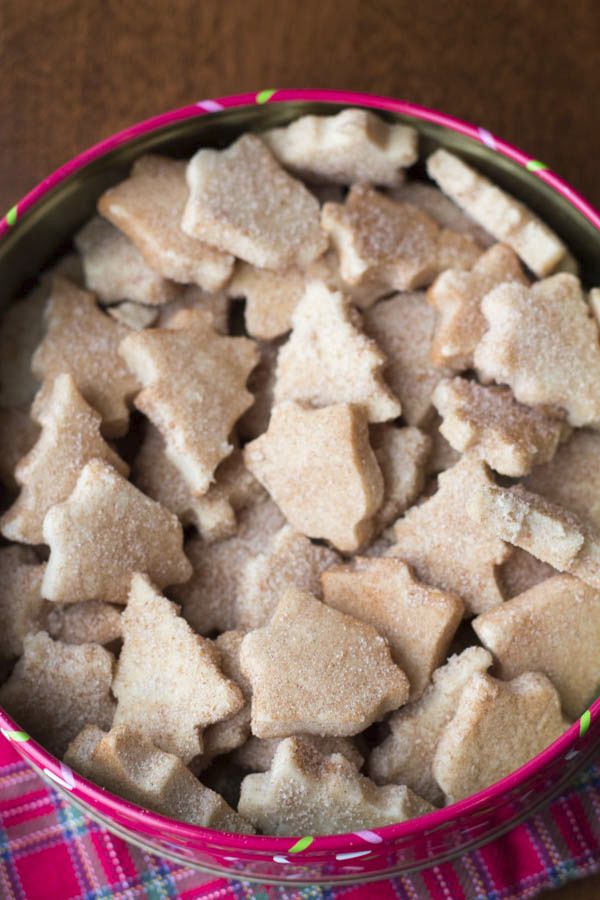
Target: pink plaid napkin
51	851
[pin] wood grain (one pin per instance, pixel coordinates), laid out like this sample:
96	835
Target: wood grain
74	71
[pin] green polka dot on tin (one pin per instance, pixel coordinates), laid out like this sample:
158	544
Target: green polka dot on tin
265	96
19	737
534	165
12	216
301	845
584	723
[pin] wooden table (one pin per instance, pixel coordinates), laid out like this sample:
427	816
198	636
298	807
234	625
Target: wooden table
74	71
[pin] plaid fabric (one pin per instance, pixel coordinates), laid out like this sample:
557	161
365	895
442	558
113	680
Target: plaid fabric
51	851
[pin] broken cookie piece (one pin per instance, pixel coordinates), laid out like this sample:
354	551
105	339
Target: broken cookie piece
307	792
552	628
396	244
104	532
315	670
353	146
543	342
403	327
289	560
547	531
406	755
83	341
55	689
115	269
194	389
327	451
244	203
498	726
510	437
328	360
418	621
147	207
506	218
446	547
127	763
87	622
133	315
231	733
70	438
190	691
456	296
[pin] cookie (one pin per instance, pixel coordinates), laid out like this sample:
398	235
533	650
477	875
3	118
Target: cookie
552	628
244	203
393	243
193	297
403	329
257	754
446	547
55	689
326	451
295	687
307	792
48	473
543	342
289	560
212	513
116	270
406	755
126	763
134	315
456	296
193	389
402	455
328	360
354	145
498	726
507	219
157	643
549	532
104	532
231	733
148	207
442	455
83	341
509	436
418	621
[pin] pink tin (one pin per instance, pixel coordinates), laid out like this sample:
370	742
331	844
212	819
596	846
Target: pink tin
35	230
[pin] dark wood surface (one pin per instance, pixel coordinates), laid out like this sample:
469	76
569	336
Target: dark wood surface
74	71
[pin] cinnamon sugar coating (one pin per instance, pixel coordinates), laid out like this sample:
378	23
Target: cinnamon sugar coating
306	792
328	452
354	145
83	341
456	296
194	389
508	436
87	622
499	213
244	203
315	670
48	473
328	359
544	343
402	455
418	621
189	691
104	532
148	207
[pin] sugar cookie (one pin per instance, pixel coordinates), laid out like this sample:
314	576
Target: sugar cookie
134	315
234	731
244	203
436	204
402	455
256	755
104	532
328	452
87	622
315	670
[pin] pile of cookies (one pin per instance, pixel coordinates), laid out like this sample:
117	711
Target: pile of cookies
301	492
